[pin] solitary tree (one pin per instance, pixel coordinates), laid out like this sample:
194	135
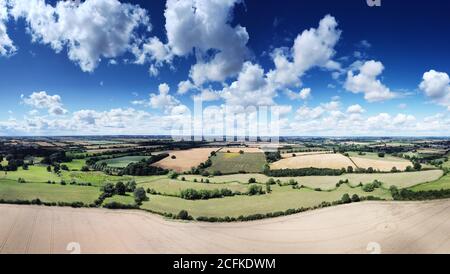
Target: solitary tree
183	215
417	166
140	195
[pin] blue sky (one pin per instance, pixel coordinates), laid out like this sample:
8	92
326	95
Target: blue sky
107	67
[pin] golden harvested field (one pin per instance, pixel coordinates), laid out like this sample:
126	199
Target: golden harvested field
44	144
92	147
382	165
385	227
297	154
334	161
185	159
244	149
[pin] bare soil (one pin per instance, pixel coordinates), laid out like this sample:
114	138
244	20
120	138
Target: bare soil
384	227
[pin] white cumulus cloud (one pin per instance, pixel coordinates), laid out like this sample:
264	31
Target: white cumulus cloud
202	26
436	85
7	47
355	109
91	30
42	100
366	82
312	48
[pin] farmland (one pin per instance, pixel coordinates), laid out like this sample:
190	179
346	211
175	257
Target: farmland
334	161
215	181
123	162
12	190
228	163
281	199
326	189
400	180
238	149
184	160
442	183
341	229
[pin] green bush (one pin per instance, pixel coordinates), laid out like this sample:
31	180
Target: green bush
184	215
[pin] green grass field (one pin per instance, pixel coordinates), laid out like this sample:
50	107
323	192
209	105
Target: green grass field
442	183
228	163
76	164
123	162
173	187
447	164
12	190
400	180
39	174
374	156
36	173
281	199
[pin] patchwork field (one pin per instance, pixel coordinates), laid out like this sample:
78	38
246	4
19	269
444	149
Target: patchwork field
334	161
281	199
401	180
185	159
235	162
123	162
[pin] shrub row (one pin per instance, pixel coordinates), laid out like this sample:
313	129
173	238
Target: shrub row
304	172
39	202
117	205
409	195
193	194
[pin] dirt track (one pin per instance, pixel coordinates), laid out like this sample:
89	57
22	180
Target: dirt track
392	227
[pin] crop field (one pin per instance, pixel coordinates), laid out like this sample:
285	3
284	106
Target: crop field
238	149
228	163
185	159
374	156
222	188
382	165
12	190
123	162
341	229
300	154
334	161
401	180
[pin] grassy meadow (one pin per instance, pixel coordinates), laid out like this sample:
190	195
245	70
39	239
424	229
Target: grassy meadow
123	162
12	190
282	198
